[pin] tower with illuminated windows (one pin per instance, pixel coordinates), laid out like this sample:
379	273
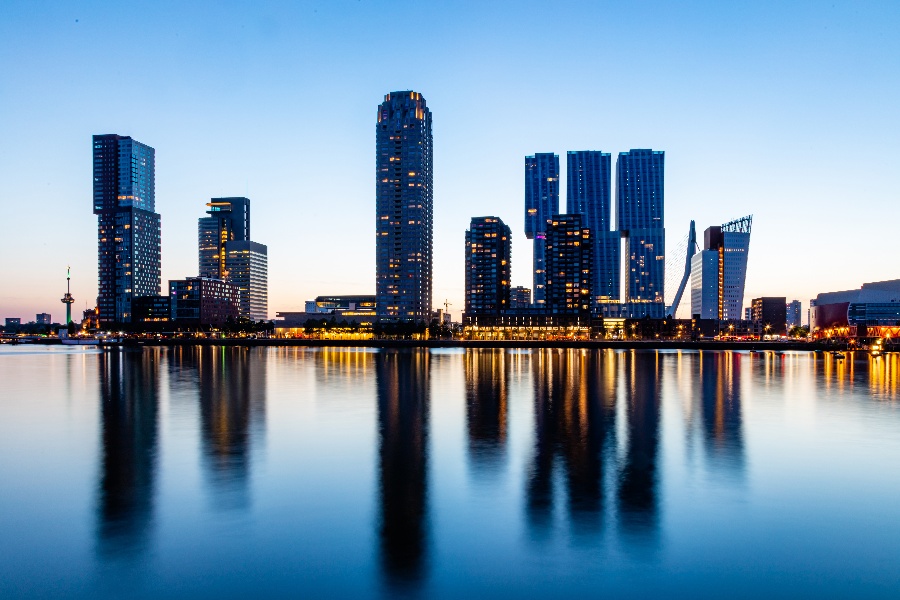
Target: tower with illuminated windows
403	208
128	227
541	203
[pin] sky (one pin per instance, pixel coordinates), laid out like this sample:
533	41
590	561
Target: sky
787	111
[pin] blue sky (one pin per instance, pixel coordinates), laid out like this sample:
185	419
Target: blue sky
788	111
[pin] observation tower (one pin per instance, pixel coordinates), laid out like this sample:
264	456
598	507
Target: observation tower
68	299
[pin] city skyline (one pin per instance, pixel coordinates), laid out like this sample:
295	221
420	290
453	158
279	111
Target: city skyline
741	131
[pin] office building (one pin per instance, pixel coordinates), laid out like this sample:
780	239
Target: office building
13	324
519	297
202	301
43	319
770	315
588	193
569	255
331	304
404	208
748	313
870	311
152	309
248	269
128	228
794	314
488	247
541	203
228	221
640	219
719	271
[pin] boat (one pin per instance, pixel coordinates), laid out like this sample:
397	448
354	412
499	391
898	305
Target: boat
838	355
75	341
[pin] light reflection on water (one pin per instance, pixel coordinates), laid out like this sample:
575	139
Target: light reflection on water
364	472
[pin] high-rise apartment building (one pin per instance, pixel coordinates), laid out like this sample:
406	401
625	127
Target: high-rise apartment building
488	247
719	271
228	221
128	228
403	208
248	269
794	314
569	255
43	319
588	193
771	314
640	218
541	203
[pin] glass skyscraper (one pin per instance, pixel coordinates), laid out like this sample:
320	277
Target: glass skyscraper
719	271
228	221
569	265
128	228
248	269
541	203
588	193
403	208
640	205
488	249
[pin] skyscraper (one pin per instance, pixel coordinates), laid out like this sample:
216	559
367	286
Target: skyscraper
719	271
128	228
541	203
569	263
248	269
403	208
588	193
228	221
488	245
640	207
794	318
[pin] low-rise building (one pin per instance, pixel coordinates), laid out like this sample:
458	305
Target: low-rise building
151	309
871	311
203	301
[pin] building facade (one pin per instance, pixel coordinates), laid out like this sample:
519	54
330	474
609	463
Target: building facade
228	221
128	228
152	309
488	250
247	266
717	284
640	219
43	319
770	314
202	301
794	314
569	263
404	208
541	203
589	193
519	297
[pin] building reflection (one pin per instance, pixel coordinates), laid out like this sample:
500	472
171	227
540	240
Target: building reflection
129	413
403	405
574	415
642	379
487	383
720	407
232	395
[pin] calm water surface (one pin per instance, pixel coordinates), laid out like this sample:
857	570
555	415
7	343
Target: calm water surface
231	472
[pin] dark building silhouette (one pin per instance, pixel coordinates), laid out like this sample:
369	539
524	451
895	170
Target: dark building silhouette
129	414
640	215
574	422
638	479
488	251
128	228
569	261
541	203
487	382
228	221
403	208
403	406
588	193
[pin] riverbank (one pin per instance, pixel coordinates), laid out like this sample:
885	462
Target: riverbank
507	344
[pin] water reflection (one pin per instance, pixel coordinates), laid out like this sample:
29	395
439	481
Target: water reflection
574	415
638	510
487	382
403	405
129	407
232	385
720	402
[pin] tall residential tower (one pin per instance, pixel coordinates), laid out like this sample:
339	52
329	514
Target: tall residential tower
403	208
488	244
640	207
541	203
128	228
